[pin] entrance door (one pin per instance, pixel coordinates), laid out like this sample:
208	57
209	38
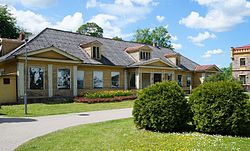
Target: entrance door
157	77
145	80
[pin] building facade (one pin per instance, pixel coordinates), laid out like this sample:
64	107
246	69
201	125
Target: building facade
64	64
241	65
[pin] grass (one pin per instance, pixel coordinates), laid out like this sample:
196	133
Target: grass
122	135
39	109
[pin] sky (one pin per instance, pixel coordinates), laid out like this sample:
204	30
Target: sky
202	30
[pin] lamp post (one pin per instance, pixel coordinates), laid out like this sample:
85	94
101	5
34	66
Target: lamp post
25	78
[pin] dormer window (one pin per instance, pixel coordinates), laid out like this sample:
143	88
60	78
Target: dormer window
145	55
96	52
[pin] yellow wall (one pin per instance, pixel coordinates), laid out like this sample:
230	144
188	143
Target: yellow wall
8	91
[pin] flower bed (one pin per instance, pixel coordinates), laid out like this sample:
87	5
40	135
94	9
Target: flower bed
106	96
99	100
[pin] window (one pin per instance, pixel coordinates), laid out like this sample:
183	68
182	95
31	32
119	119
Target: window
242	79
96	52
169	77
115	79
242	61
6	80
36	78
188	80
63	78
98	79
80	79
145	55
132	81
180	80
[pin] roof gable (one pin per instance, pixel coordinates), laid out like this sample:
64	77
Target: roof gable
52	53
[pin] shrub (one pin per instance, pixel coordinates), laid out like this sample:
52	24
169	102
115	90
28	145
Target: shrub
161	107
220	108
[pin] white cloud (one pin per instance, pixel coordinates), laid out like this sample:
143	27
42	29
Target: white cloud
177	46
91	3
34	23
70	22
30	3
119	14
160	18
173	37
209	53
197	40
222	15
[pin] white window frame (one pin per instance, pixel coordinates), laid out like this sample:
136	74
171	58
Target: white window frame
82	77
118	81
245	78
187	80
102	80
44	72
1	71
57	78
245	61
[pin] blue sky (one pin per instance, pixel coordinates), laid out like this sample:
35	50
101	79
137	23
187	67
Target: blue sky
202	30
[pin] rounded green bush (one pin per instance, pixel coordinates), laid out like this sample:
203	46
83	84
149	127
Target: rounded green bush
220	108
161	107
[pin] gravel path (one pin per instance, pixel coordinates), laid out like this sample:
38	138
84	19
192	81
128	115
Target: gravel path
16	131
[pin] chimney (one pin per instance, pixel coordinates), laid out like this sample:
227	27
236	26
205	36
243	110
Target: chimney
21	36
154	43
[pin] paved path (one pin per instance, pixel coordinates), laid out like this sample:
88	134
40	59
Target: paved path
16	131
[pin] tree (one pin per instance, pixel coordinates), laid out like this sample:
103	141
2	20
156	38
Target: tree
117	38
225	75
157	35
90	29
8	28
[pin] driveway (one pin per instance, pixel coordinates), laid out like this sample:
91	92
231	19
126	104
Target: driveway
16	131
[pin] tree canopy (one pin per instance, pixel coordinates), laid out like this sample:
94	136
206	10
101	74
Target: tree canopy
157	35
8	27
225	75
90	29
117	38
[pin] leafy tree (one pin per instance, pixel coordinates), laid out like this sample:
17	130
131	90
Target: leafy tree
8	28
157	35
117	38
90	29
225	75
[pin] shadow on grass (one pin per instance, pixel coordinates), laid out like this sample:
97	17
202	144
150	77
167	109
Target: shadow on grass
15	120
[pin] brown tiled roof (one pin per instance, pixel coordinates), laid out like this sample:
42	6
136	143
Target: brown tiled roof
203	67
169	55
134	48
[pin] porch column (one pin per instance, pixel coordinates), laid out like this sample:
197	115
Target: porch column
74	80
162	77
20	79
125	79
151	78
50	80
138	79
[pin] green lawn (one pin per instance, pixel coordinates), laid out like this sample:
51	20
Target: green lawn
121	135
39	109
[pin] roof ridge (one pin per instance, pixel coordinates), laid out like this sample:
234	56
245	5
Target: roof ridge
126	41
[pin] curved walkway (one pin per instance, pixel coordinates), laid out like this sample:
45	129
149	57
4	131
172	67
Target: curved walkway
16	131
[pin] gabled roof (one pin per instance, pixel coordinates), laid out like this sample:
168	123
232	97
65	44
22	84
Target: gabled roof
137	48
112	51
86	44
206	67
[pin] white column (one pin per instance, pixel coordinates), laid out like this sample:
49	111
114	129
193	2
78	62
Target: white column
125	79
137	80
50	80
75	80
151	78
20	79
162	77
